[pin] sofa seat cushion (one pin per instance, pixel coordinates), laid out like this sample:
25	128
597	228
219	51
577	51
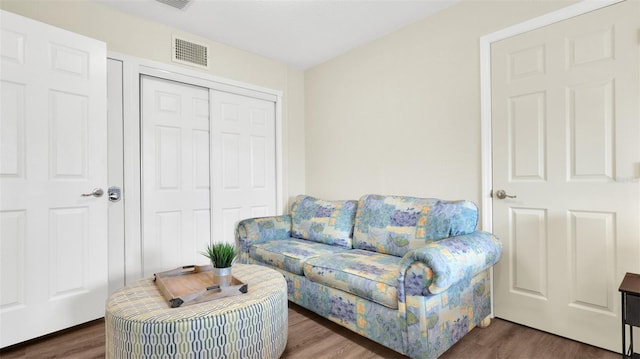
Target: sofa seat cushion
367	274
290	254
329	222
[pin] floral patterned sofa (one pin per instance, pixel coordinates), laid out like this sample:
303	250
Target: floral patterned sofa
409	273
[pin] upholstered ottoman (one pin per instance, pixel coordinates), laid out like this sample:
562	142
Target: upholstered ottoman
140	323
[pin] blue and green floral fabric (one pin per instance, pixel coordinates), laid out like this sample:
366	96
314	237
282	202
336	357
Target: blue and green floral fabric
416	279
329	222
370	319
397	224
424	327
436	322
456	258
366	274
259	230
290	254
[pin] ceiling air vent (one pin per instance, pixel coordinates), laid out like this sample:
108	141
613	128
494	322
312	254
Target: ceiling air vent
178	4
190	53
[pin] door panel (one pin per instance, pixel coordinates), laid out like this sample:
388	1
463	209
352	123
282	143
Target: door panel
53	138
243	161
566	142
175	174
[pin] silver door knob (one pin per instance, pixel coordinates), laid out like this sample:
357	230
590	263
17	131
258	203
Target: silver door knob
114	193
501	194
97	192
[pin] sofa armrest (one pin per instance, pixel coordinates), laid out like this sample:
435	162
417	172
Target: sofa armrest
452	259
257	230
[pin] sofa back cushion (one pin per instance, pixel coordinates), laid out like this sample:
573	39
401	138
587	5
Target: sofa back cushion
329	222
396	224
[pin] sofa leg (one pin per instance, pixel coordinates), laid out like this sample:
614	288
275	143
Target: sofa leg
484	323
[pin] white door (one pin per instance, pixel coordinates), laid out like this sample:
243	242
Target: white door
53	245
175	174
243	161
566	142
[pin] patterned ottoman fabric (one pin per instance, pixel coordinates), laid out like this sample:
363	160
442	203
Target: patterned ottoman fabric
140	323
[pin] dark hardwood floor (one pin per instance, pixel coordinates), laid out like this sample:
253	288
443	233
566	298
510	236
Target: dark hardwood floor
311	336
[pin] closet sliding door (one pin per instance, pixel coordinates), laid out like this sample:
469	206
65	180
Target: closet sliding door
243	161
207	161
175	173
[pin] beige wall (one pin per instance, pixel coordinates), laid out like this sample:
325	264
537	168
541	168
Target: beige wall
401	115
135	36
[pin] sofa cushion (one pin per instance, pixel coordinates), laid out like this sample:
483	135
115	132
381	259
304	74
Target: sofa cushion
290	254
369	275
397	224
329	222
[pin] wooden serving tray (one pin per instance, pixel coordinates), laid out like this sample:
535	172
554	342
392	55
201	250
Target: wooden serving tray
195	284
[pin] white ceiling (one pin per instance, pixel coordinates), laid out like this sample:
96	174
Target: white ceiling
302	33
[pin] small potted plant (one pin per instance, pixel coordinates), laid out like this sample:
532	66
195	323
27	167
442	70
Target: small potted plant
222	256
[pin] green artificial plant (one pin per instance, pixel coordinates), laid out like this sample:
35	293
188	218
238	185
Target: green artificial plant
221	255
